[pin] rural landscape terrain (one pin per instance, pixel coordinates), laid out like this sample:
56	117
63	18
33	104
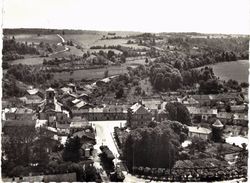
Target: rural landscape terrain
96	106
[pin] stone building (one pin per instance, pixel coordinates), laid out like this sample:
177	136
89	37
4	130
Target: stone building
138	116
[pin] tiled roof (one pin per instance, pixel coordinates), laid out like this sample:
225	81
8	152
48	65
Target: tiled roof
195	129
137	106
19	123
114	109
224	115
196	110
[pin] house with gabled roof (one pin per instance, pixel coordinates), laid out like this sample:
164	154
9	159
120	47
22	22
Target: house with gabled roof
138	116
188	101
33	97
202	113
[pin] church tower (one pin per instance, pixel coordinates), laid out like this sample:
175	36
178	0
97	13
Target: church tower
50	98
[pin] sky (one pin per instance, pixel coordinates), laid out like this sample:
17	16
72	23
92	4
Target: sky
205	16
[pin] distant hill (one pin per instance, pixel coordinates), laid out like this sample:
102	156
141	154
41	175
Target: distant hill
64	31
47	31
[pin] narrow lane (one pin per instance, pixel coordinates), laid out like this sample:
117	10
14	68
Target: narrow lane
59	44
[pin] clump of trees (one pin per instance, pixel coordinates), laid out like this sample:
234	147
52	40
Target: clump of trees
13	50
10	89
154	146
165	77
178	112
72	150
28	74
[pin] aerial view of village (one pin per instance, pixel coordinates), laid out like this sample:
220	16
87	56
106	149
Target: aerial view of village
96	106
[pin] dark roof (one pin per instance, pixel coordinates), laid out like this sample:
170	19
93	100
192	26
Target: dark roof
83	133
19	123
114	109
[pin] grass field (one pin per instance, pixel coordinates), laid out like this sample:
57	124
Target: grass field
99	73
52	39
84	40
29	61
88	40
90	73
73	51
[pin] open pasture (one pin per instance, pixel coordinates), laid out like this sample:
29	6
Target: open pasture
29	61
29	38
90	74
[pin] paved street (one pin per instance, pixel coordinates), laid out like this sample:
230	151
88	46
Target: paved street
104	129
104	132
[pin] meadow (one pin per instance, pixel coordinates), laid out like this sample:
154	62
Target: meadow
29	61
90	74
29	38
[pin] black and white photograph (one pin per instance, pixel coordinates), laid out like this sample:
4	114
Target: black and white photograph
124	90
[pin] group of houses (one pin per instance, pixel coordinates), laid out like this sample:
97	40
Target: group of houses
68	111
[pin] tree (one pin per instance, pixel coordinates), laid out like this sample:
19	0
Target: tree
17	150
178	112
244	84
71	151
19	171
220	149
138	90
106	73
211	86
110	54
90	174
120	93
198	144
